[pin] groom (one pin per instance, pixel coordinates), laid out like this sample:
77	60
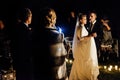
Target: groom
95	29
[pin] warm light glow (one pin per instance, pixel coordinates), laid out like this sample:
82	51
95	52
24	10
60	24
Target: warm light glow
105	67
70	61
11	75
5	76
116	67
109	69
119	69
111	66
66	60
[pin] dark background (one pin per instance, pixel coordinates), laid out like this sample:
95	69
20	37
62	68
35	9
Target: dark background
9	8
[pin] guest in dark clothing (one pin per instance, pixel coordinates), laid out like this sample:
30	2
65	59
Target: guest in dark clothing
49	50
22	57
107	40
71	24
107	35
5	49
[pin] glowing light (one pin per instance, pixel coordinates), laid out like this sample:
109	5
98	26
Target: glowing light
60	30
5	76
116	67
111	66
11	75
105	67
109	69
70	61
66	60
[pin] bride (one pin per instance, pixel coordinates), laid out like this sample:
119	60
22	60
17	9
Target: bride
85	65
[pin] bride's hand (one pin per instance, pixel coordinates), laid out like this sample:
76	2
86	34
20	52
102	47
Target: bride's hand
94	35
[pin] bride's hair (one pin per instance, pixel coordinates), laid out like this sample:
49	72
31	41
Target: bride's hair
80	16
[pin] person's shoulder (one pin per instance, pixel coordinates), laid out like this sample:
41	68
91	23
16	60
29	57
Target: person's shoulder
52	30
97	23
18	25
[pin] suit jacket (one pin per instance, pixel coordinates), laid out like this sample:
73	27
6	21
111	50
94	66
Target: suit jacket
23	55
96	29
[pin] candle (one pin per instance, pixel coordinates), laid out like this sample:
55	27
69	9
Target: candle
111	66
109	69
116	67
119	69
105	67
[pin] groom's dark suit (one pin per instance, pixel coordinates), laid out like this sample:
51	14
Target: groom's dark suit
96	28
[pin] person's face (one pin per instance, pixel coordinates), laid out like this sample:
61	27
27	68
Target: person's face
83	20
30	19
1	25
92	17
72	14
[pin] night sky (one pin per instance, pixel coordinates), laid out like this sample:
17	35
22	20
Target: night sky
62	7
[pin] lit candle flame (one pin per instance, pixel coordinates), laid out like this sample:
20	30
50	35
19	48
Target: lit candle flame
105	67
109	69
111	66
116	67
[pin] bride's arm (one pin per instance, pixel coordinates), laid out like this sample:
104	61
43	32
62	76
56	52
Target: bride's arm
80	38
85	38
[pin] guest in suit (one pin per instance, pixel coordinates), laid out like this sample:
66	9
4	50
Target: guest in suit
50	57
22	57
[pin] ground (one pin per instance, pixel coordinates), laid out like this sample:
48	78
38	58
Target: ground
107	72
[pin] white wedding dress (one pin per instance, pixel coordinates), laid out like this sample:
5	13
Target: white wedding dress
85	65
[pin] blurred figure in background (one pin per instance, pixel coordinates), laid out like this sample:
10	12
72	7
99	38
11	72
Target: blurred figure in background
5	49
106	40
22	57
71	24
